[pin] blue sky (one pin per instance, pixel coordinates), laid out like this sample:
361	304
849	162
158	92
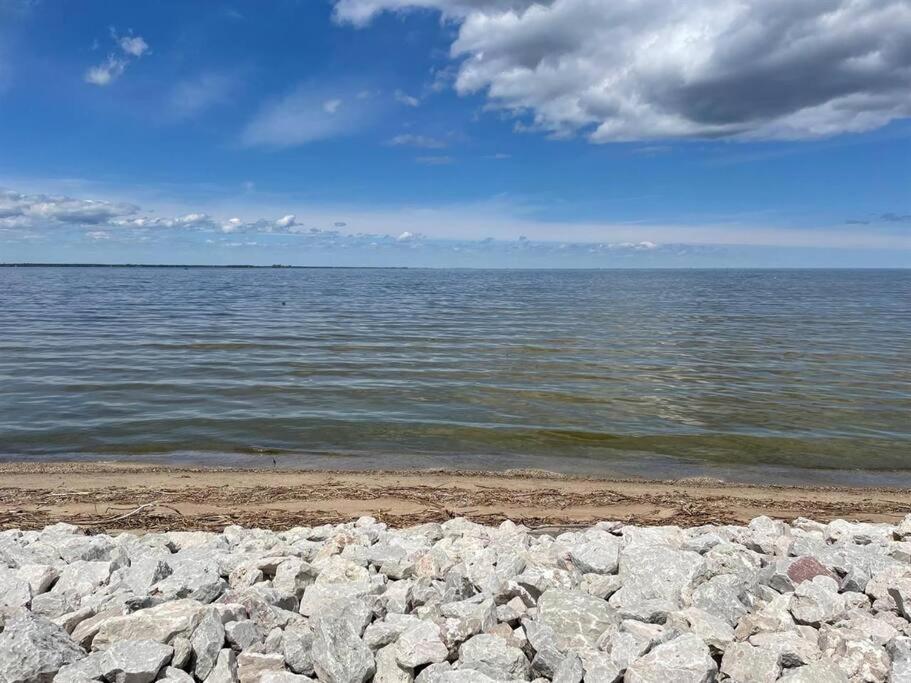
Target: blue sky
457	132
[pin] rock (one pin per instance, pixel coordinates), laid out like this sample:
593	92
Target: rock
388	669
807	568
339	654
14	591
225	669
133	661
183	652
33	649
420	644
598	552
243	634
297	646
172	674
899	650
433	673
145	572
160	623
745	663
714	631
39	577
721	596
598	667
576	618
654	578
283	677
685	659
818	672
207	641
791	648
493	656
251	666
196	579
83	578
817	601
855	654
570	670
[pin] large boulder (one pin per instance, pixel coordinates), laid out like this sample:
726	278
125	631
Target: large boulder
682	660
160	623
339	654
33	649
576	618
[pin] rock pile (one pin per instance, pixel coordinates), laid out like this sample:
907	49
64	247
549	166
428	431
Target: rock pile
459	602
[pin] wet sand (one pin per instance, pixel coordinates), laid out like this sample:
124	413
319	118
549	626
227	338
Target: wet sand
109	497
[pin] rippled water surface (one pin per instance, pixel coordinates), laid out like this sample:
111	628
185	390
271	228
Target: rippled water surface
640	372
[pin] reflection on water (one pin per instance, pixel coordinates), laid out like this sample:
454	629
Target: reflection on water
801	368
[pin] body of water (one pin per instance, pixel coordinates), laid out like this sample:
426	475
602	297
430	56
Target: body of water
762	375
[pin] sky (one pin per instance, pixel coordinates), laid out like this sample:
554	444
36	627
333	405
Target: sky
463	133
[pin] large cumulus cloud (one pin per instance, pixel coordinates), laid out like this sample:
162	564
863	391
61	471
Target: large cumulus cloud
624	70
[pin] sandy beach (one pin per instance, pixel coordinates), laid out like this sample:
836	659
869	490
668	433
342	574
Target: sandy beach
108	496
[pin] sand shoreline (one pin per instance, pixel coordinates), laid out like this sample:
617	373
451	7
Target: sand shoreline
114	496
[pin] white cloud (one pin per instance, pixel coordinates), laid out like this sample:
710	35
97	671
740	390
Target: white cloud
411	140
286	221
133	45
652	69
131	48
406	99
305	115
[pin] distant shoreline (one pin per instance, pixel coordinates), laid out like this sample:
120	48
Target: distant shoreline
522	268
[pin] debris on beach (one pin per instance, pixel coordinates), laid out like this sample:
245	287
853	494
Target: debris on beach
459	602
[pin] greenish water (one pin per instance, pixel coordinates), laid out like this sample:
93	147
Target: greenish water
776	375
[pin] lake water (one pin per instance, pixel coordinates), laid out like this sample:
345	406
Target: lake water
755	375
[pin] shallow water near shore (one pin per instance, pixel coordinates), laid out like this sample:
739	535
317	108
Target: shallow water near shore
638	373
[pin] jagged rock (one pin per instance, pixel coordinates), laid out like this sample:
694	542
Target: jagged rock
720	596
899	650
83	578
818	672
654	577
817	601
433	672
14	591
173	674
196	579
339	654
39	577
207	640
133	661
33	649
420	644
493	656
145	572
388	669
791	648
243	634
576	618
746	663
570	670
713	630
251	666
183	652
682	660
598	667
160	623
597	552
225	669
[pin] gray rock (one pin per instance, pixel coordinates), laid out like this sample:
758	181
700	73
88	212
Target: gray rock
388	669
33	649
172	674
493	656
654	578
207	640
598	552
251	666
818	672
576	618
816	602
721	596
225	669
160	623
791	647
746	663
183	652
14	591
243	634
713	630
283	677
899	650
570	670
133	661
145	572
599	667
40	577
83	578
682	660
339	654
297	646
433	673
420	644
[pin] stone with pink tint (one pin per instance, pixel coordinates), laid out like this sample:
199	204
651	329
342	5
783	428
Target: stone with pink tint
805	568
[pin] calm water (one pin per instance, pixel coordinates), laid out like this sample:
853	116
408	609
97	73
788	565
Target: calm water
746	374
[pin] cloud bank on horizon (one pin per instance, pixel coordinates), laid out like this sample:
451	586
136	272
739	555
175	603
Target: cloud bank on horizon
656	69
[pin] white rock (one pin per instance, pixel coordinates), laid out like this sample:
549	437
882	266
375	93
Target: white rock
746	663
817	602
33	649
251	666
388	669
225	669
160	623
420	644
494	657
207	641
682	660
